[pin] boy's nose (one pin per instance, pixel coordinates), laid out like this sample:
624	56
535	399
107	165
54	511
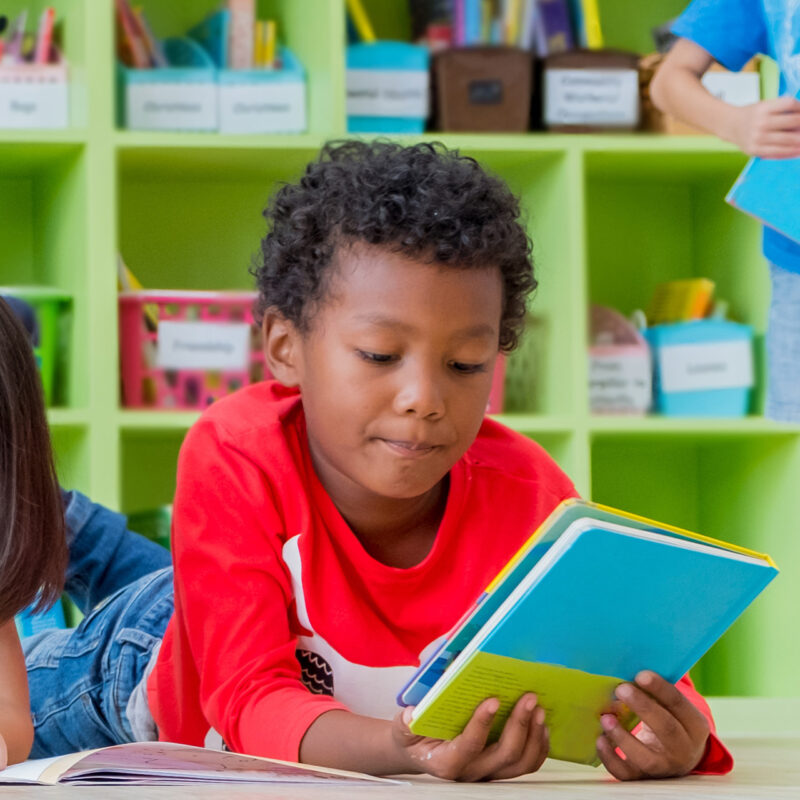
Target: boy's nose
420	394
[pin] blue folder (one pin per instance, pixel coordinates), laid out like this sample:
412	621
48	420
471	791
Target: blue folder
769	190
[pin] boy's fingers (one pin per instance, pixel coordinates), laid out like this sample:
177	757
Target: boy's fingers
678	706
783	139
787	121
622	770
776	152
508	749
472	740
532	754
538	744
640	759
785	103
544	750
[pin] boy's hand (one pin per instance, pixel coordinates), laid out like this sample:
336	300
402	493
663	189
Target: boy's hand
670	741
521	749
769	129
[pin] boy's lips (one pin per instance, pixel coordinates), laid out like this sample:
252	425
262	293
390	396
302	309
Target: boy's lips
409	449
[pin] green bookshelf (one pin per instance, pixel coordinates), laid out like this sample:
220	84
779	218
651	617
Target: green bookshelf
609	215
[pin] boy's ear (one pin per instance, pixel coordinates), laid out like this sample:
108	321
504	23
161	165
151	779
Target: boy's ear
281	343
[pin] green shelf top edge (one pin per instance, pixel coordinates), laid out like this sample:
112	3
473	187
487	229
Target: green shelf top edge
67	417
128	140
536	423
164	420
132	420
533	142
43	137
701	427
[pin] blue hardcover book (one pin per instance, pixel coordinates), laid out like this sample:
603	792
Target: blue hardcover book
515	571
556	632
769	190
472	22
578	27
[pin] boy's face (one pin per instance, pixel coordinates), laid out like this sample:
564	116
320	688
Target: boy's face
395	371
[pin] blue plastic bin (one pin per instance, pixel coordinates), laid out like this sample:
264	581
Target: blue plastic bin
181	97
702	368
263	100
29	623
388	87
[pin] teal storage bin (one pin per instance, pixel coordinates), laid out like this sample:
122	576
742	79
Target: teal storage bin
702	368
263	100
388	87
181	97
29	624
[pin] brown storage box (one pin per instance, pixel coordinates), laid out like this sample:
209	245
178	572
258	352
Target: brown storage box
483	89
618	95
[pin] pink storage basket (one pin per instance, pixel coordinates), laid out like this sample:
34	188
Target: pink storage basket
185	349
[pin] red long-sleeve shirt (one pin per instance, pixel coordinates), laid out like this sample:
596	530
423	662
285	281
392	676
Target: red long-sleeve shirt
280	613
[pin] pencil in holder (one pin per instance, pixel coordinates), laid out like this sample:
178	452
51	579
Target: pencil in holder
184	349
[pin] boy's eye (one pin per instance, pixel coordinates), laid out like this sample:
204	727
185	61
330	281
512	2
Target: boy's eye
376	358
467	369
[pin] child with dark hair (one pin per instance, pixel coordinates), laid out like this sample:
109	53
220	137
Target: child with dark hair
732	32
40	525
331	526
32	550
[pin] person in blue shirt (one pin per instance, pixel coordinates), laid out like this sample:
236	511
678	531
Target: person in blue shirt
731	32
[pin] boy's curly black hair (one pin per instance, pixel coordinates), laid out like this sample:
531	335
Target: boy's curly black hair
423	201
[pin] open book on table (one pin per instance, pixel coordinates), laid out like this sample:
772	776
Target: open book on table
165	764
593	597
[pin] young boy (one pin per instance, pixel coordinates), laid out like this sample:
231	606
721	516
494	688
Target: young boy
332	525
732	32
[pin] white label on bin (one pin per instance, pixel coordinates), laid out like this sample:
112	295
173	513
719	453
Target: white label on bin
734	88
605	97
262	108
700	367
387	93
33	105
620	383
203	345
172	106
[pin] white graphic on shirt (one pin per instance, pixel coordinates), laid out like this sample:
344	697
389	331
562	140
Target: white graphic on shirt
371	691
785	18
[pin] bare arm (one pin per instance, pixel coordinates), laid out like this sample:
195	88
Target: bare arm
770	128
16	728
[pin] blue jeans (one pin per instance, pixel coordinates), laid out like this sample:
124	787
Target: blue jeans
783	346
81	679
